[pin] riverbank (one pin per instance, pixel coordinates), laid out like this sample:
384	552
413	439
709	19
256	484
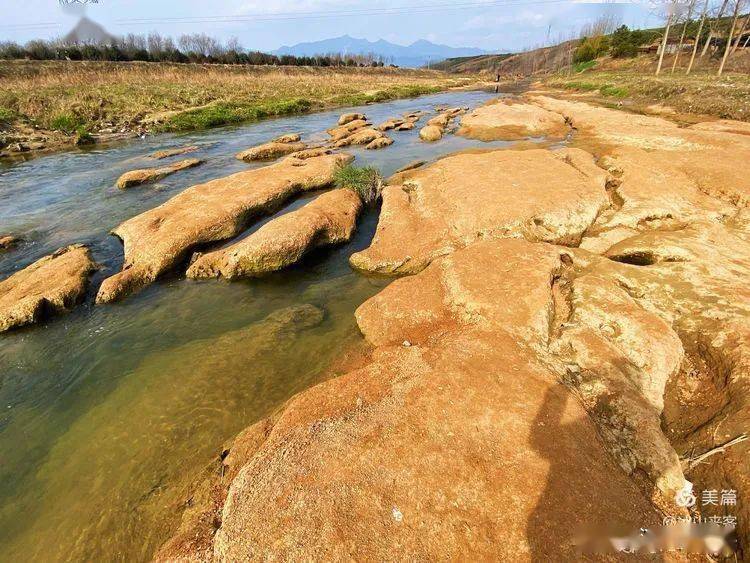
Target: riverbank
632	84
52	105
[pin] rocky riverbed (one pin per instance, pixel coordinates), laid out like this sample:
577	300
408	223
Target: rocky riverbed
562	350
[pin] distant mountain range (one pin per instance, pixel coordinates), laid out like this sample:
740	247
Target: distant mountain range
418	54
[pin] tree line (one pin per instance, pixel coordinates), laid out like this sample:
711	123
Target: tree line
703	28
189	48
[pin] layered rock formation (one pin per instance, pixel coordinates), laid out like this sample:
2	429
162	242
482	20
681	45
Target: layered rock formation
155	241
437	126
166	153
270	151
145	175
459	199
49	286
329	219
349	117
371	138
577	320
467	411
509	119
338	133
7	242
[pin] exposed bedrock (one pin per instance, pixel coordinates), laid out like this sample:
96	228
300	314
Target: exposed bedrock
349	117
270	151
338	133
626	280
510	119
536	194
157	240
467	410
8	241
329	219
145	175
696	279
371	138
52	285
167	153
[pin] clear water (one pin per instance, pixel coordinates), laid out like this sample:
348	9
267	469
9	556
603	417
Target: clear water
108	413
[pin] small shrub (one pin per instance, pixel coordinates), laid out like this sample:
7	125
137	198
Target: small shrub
7	115
83	137
366	182
590	48
65	122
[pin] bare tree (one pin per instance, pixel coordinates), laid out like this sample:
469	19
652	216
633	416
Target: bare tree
233	44
697	37
737	8
712	28
740	33
671	11
691	5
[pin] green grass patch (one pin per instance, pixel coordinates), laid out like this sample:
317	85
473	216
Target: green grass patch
219	114
83	137
7	115
365	181
583	66
395	93
581	86
66	122
613	91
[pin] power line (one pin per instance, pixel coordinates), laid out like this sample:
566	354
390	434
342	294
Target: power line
286	16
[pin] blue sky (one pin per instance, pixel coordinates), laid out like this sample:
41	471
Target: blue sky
495	25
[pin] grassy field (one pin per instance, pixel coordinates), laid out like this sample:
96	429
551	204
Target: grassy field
633	82
70	96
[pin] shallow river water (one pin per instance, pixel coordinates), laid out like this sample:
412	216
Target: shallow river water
107	413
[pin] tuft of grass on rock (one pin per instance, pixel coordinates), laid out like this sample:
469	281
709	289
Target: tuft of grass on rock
365	181
83	137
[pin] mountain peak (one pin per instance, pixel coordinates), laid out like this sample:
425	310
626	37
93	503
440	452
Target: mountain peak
418	54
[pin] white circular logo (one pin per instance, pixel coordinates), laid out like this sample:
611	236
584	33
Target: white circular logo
685	496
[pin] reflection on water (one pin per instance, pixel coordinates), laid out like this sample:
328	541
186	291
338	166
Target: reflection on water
107	413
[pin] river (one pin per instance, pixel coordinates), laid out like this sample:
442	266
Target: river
108	414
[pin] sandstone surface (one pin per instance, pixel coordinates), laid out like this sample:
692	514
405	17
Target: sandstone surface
349	117
50	286
342	131
166	153
431	133
329	219
155	241
379	143
288	138
8	241
508	119
270	151
538	194
145	175
363	136
467	411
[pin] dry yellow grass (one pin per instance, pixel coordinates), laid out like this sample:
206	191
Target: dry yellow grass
65	95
